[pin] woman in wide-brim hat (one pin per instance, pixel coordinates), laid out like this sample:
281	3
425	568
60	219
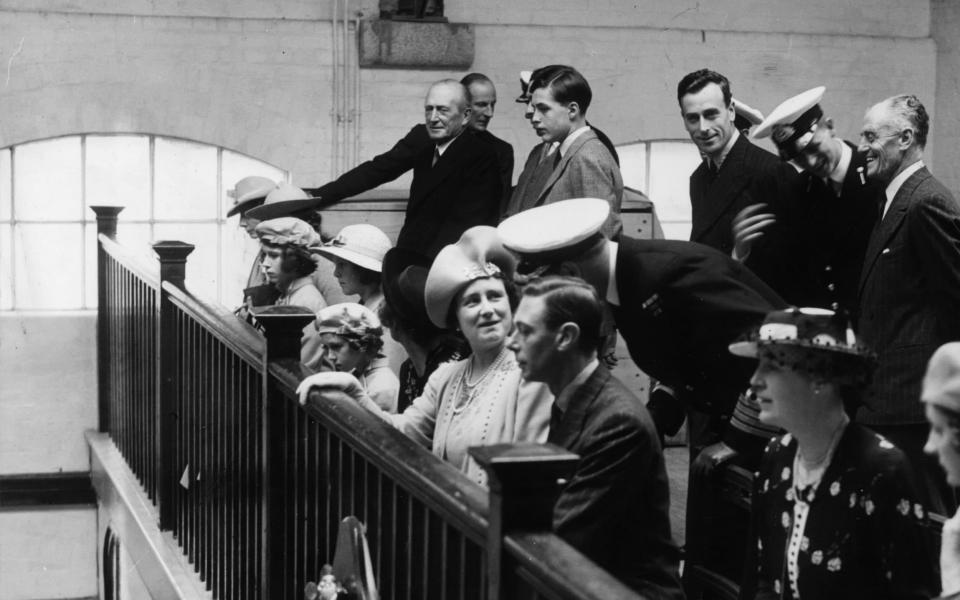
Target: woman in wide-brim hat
480	400
834	511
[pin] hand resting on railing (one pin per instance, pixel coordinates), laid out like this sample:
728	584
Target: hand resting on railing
337	381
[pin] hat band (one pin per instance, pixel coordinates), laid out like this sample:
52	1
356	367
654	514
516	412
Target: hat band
533	261
479	271
778	331
793	138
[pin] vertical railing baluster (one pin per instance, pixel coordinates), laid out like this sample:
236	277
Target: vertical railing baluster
283	329
173	264
106	225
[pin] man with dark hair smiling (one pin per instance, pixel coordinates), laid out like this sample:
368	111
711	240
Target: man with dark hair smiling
615	506
571	162
734	175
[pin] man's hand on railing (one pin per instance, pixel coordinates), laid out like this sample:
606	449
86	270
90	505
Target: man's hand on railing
333	380
712	458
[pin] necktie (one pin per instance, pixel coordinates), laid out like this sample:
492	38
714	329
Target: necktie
556	415
556	158
712	169
436	156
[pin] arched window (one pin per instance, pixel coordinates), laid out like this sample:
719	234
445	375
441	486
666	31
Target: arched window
661	169
171	188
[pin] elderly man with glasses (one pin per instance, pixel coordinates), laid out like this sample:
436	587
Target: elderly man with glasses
909	289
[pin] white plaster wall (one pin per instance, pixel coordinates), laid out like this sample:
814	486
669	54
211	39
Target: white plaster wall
48	554
48	391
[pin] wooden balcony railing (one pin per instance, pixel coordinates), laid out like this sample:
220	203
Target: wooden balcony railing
253	486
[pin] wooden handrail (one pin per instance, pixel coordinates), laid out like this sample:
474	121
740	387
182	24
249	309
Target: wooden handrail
138	263
239	336
436	483
250	483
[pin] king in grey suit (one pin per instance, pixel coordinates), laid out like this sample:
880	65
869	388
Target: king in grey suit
614	508
909	290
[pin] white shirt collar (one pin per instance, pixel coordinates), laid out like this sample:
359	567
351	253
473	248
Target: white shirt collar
441	148
840	172
894	186
568	141
563	398
726	149
613	296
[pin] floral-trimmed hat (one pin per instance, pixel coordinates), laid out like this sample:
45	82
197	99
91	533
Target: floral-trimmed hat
288	231
811	339
353	322
813	328
476	255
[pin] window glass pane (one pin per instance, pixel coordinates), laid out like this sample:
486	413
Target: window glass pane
201	274
236	167
238	254
48	266
6	265
118	174
5	184
47	181
671	164
90	285
186	180
137	237
633	165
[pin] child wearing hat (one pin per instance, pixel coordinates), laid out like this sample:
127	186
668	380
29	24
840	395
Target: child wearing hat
357	254
352	339
288	264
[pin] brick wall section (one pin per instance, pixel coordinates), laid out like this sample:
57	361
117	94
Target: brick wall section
837	17
262	86
945	124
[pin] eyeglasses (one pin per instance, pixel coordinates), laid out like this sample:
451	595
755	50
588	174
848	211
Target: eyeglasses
871	137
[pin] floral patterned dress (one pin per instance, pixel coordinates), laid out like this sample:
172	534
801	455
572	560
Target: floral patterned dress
858	533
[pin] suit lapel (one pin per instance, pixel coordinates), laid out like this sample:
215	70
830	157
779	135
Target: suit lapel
890	223
714	201
450	159
856	177
575	146
571	424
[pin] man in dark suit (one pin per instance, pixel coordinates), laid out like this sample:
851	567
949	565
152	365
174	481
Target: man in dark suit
571	162
837	206
483	103
677	304
734	175
615	506
456	178
910	285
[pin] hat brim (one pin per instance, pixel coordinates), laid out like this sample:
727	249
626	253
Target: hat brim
285	208
371	264
750	348
245	206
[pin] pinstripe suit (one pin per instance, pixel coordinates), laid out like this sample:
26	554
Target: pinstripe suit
909	294
614	509
909	297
